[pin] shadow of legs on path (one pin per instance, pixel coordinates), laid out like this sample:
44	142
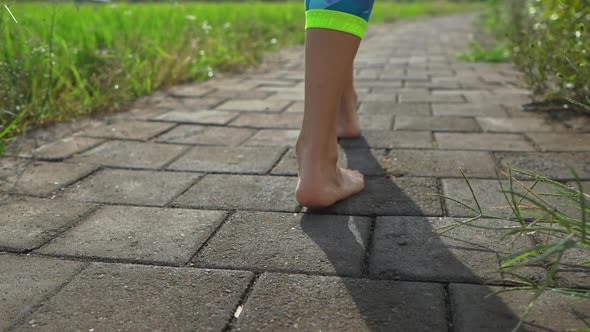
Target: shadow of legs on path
412	271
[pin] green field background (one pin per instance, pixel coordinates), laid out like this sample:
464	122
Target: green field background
65	60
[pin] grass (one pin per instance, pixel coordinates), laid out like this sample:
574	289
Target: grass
478	53
61	61
555	214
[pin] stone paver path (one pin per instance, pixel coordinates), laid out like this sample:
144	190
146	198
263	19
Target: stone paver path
179	215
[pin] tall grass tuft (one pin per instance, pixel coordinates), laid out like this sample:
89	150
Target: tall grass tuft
555	214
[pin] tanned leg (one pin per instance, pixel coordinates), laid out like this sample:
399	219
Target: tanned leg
329	56
348	124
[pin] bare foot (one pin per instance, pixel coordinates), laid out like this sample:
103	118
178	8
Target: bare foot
348	123
322	183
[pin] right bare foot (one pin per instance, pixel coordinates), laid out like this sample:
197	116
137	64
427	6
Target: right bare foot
348	123
322	183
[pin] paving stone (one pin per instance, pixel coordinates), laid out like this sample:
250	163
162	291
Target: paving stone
410	98
189	91
572	273
206	135
556	165
440	163
400	196
247	105
390	98
386	139
468	110
436	123
377	84
277	121
249	160
28	223
27	281
474	311
483	141
289	242
231	84
131	154
198	117
433	85
375	121
99	299
128	130
243	192
395	109
511	125
240	94
274	137
318	303
141	113
410	77
199	104
154	235
131	187
411	248
65	148
362	160
39	178
562	142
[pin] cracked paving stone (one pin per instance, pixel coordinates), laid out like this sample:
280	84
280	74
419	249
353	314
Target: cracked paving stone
409	247
245	160
131	187
299	302
242	192
28	223
26	282
142	234
163	298
289	242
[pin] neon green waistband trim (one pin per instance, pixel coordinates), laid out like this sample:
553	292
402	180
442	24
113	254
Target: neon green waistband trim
335	20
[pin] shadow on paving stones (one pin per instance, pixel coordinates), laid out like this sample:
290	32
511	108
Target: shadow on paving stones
391	301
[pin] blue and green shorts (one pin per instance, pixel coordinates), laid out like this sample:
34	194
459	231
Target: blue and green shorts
351	16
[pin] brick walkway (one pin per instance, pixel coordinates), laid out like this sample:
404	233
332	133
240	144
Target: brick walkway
179	214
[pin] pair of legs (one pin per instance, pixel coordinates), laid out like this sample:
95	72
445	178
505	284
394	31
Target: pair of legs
333	35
